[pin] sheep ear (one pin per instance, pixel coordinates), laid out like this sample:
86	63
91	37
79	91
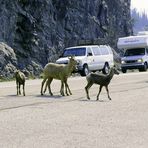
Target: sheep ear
16	71
70	57
115	66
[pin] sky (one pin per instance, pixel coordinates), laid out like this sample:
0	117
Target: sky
140	5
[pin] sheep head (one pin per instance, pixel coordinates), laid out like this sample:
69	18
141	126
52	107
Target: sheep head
115	71
16	72
72	62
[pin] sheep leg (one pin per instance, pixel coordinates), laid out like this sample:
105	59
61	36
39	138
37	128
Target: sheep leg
48	84
108	92
24	89
49	88
99	92
87	88
62	88
67	88
44	80
19	89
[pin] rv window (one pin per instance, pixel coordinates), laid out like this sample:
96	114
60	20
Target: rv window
133	52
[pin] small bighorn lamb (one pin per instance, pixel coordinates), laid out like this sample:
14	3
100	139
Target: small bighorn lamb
20	80
100	79
60	72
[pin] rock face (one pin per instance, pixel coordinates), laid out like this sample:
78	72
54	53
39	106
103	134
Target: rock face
8	61
38	30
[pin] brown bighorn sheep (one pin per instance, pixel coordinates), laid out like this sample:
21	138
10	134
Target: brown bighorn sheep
100	79
20	80
60	72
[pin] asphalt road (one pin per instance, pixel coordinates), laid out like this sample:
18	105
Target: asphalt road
36	121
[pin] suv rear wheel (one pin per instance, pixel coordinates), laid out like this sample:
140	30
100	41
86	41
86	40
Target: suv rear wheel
85	70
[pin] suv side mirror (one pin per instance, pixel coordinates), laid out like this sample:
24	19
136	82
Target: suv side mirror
89	54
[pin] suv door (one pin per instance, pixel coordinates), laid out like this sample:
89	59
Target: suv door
90	59
98	59
105	56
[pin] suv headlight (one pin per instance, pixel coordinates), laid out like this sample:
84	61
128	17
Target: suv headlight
140	60
122	62
79	62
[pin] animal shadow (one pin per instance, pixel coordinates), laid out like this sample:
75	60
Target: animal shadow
93	100
50	97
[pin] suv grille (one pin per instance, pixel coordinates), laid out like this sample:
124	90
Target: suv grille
133	61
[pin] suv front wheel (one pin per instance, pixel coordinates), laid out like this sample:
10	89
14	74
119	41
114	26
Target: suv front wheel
85	70
105	69
124	70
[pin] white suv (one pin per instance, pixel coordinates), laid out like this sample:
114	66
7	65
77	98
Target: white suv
89	58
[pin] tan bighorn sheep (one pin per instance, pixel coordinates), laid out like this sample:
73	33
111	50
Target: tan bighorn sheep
20	80
60	72
100	79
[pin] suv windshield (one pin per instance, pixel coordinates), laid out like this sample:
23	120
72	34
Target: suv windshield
74	52
137	51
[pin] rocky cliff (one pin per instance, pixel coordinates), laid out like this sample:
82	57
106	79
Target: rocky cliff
38	30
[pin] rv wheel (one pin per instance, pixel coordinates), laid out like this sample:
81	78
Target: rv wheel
144	67
124	70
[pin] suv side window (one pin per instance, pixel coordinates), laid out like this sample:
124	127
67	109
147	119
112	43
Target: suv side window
147	51
96	51
89	52
104	50
110	50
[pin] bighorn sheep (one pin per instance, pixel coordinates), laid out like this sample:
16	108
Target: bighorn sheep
100	79
20	80
60	72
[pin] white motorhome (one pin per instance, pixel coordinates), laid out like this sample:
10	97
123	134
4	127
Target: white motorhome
135	52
